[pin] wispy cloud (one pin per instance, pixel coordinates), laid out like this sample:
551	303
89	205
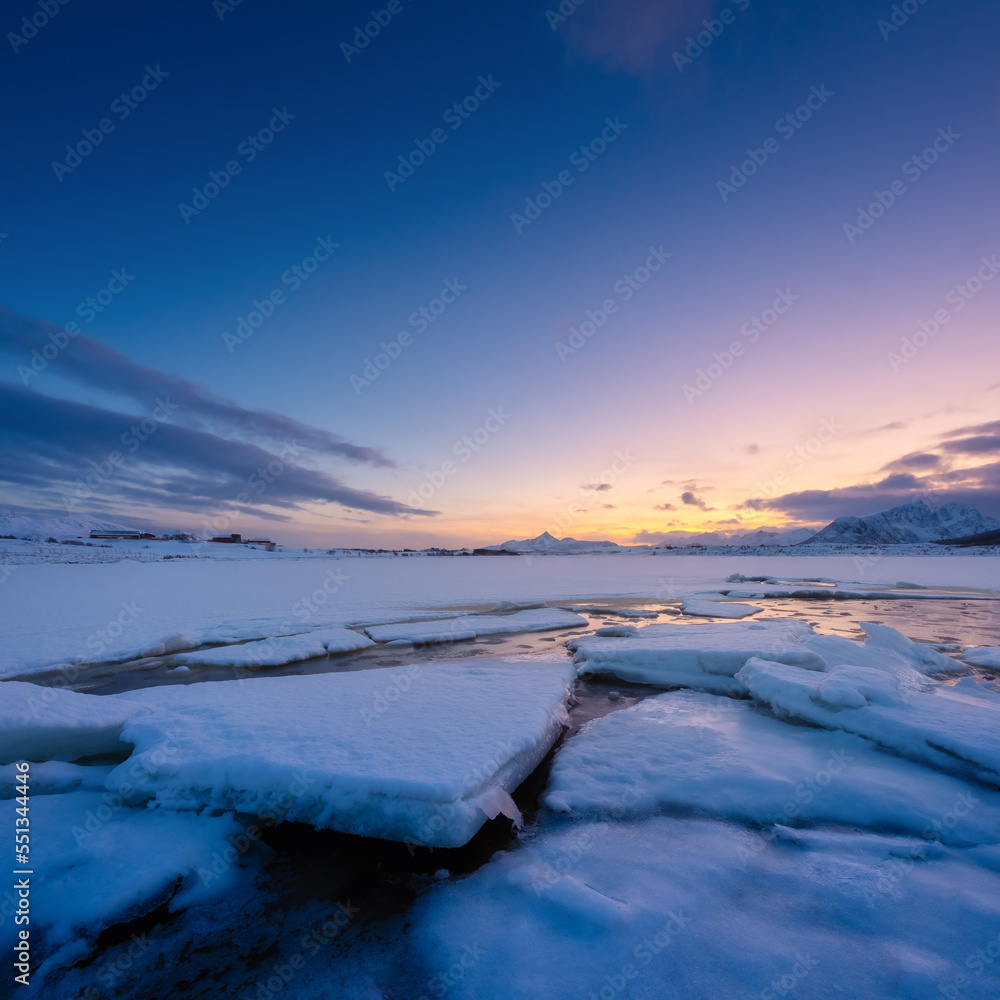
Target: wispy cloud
197	452
92	363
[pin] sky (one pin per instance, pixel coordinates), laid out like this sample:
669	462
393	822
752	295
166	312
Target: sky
450	274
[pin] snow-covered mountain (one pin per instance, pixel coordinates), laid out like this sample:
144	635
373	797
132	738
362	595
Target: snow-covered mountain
13	522
546	544
911	522
765	537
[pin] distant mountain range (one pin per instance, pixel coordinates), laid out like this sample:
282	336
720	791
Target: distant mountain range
909	523
547	544
550	545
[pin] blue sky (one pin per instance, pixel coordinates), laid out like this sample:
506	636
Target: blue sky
612	411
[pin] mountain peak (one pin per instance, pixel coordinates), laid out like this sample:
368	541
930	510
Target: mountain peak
915	521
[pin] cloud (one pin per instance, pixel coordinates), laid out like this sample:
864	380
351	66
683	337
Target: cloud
915	460
752	449
927	475
978	445
636	36
187	449
610	506
85	452
896	425
991	428
597	487
694	501
89	362
979	487
665	506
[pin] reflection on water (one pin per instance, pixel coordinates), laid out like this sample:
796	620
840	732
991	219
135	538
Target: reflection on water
950	623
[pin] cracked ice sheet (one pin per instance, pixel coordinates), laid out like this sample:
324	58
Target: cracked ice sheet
423	753
952	727
278	650
98	860
667	908
723	758
983	656
470	626
709	657
48	723
704	657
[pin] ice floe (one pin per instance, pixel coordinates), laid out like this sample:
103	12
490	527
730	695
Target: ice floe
708	657
983	656
471	626
277	650
697	753
97	860
48	723
698	908
420	753
951	726
705	657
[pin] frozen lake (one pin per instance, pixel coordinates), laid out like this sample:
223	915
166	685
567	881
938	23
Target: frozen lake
835	820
